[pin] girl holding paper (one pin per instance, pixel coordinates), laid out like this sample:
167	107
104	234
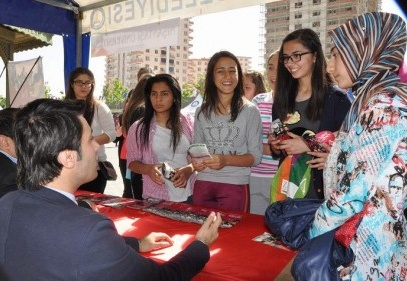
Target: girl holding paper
230	126
163	134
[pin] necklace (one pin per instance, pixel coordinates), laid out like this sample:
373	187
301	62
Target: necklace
224	109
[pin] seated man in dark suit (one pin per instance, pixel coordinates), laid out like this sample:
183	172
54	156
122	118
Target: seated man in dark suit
44	235
8	161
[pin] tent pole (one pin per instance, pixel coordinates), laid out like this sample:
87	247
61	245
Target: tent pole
79	18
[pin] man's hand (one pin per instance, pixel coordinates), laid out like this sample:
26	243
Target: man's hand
154	241
209	230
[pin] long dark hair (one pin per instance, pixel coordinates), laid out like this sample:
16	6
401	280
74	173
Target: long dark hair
287	86
136	100
43	129
211	99
173	123
90	101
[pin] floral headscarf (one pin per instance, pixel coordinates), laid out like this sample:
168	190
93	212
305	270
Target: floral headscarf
372	48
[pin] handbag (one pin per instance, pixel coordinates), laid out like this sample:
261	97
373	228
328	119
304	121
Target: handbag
290	219
292	178
318	258
107	170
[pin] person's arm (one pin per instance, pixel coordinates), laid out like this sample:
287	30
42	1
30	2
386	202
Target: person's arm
370	153
181	177
106	122
254	146
114	259
151	170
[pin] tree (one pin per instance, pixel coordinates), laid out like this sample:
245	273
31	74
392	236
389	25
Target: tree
113	94
47	91
191	90
188	90
2	102
200	85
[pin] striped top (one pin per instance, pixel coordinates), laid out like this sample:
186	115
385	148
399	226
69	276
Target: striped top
268	166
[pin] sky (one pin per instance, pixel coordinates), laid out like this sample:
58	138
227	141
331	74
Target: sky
235	30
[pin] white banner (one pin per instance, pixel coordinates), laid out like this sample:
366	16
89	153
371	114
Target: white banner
148	36
26	81
140	12
190	109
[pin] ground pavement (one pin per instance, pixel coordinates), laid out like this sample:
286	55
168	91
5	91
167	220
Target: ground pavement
114	187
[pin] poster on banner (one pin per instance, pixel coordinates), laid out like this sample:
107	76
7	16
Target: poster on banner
190	109
26	81
155	35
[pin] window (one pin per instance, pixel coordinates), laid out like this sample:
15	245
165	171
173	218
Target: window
298	5
316	24
297	26
316	13
332	12
316	2
298	16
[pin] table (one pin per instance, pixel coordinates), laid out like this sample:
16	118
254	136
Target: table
234	255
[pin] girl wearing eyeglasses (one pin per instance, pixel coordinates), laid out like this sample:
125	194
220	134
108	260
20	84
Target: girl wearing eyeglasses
97	114
162	135
305	89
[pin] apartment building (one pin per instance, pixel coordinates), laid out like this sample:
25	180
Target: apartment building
283	17
171	59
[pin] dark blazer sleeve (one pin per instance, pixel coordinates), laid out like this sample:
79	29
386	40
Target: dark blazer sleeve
106	256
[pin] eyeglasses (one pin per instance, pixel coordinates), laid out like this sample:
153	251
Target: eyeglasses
81	84
294	57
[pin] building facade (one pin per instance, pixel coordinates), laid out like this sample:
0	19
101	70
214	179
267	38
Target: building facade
171	59
174	60
283	17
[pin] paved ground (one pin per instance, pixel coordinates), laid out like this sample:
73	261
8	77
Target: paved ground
114	187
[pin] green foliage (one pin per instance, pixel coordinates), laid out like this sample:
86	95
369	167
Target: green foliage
47	91
187	93
189	90
2	102
200	85
113	94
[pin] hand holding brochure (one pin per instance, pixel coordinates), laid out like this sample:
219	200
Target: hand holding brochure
198	152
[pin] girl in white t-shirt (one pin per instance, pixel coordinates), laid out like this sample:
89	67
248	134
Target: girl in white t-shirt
163	134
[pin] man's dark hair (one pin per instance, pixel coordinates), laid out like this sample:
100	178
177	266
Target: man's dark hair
43	129
7	120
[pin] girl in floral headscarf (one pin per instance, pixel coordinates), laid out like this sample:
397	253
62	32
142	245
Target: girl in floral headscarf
366	173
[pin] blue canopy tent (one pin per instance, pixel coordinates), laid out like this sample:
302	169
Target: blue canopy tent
60	17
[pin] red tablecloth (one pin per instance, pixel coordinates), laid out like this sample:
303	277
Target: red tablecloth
234	255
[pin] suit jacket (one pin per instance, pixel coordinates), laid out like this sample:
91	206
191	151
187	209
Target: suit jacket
46	236
8	175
